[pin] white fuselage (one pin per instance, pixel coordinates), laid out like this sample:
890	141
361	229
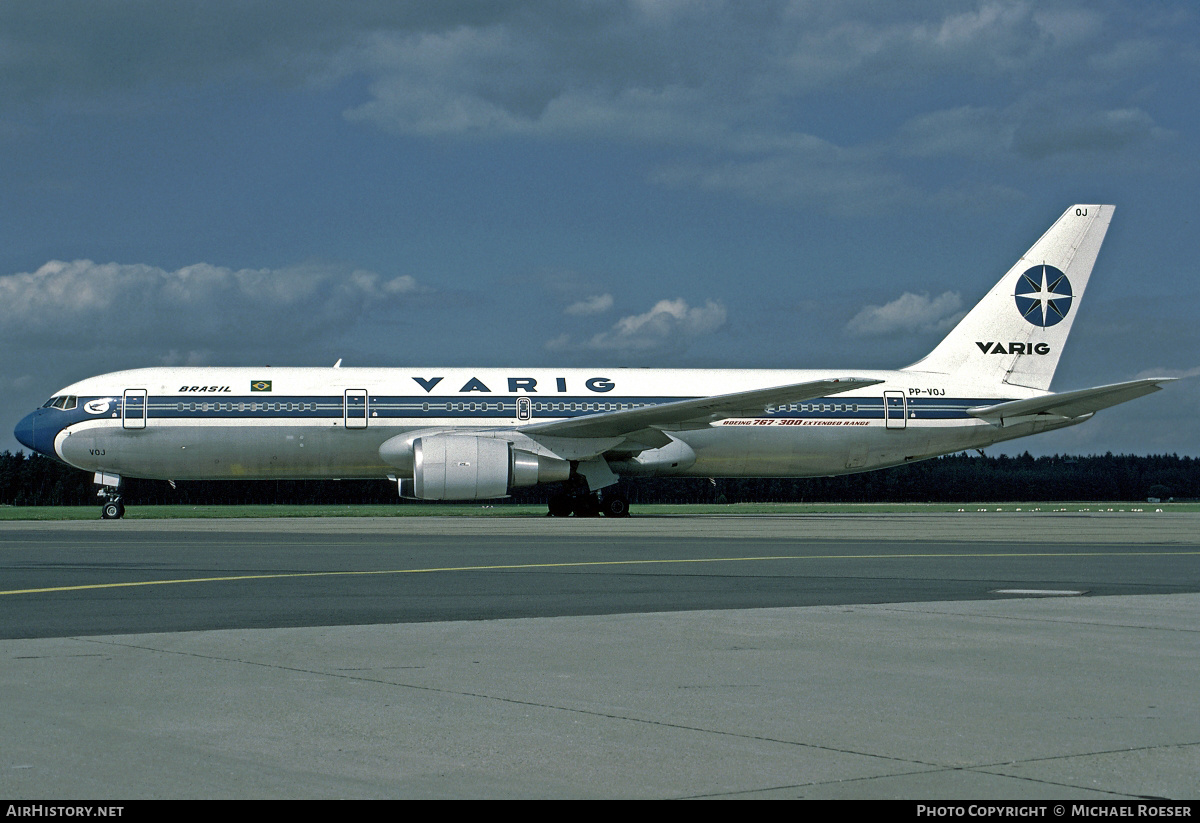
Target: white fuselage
209	423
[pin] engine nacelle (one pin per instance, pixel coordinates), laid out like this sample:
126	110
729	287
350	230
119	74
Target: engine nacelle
460	468
467	467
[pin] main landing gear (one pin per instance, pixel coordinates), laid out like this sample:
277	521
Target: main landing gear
584	503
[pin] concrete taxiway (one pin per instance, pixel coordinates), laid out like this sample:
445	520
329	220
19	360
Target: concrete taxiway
971	695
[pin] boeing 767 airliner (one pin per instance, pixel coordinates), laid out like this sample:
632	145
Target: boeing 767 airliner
476	434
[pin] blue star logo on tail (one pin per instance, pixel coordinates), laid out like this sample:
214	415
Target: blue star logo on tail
1043	295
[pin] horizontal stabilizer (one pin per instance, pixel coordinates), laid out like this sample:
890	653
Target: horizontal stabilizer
1069	404
699	412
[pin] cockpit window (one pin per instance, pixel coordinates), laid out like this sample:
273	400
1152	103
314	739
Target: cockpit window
65	402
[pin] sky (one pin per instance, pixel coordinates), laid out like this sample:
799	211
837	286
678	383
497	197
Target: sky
670	183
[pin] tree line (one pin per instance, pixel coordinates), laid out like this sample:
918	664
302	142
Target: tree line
33	480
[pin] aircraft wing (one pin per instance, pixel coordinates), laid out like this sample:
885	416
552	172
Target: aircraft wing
697	413
1068	404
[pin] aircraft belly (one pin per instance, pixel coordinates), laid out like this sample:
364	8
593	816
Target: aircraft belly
728	451
222	452
774	451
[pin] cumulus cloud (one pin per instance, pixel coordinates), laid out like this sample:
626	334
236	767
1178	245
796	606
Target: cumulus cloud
745	119
866	45
560	343
649	71
745	105
965	131
839	181
908	313
668	323
518	56
188	312
597	304
1073	131
751	118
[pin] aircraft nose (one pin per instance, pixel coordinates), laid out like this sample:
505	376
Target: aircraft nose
25	430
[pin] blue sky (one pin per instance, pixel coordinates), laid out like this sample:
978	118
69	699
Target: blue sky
670	183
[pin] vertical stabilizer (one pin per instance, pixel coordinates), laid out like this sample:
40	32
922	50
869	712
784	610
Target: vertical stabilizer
1016	333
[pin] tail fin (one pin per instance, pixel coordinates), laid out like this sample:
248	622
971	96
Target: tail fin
1016	333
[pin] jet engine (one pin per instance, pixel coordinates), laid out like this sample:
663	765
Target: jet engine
468	467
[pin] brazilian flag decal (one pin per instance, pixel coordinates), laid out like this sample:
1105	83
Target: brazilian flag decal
260	385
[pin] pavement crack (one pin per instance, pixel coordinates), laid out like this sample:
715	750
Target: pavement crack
1041	619
526	703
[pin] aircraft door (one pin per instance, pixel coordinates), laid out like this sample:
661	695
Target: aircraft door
356	408
134	408
895	411
524	408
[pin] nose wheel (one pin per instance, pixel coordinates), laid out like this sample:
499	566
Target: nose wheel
112	510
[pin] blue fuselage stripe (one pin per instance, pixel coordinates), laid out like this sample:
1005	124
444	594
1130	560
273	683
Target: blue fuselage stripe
487	410
505	408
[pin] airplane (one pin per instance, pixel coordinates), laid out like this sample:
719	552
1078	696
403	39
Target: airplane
477	434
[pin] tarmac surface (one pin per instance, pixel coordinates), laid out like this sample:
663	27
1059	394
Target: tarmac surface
829	656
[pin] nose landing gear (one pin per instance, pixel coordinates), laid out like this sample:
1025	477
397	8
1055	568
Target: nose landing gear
110	491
